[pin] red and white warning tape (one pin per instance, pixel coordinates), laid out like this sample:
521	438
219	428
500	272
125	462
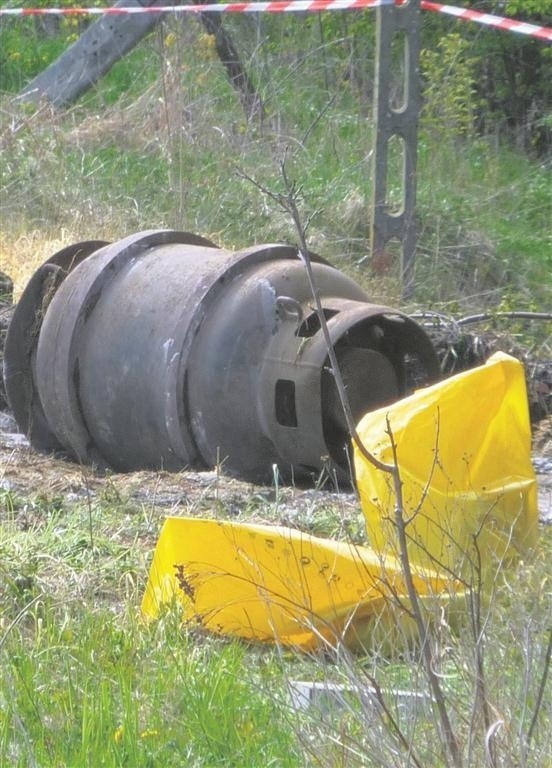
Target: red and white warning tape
490	20
294	6
277	6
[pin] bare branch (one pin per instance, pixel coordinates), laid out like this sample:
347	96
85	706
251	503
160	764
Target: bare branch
288	203
517	315
422	626
542	687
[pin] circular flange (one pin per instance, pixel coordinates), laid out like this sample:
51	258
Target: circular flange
22	338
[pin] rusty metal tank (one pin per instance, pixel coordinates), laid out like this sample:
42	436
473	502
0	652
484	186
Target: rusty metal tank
163	351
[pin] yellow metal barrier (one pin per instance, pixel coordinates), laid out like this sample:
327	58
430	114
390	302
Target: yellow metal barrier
469	490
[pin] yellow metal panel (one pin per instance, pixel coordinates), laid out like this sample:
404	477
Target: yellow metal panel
464	453
270	583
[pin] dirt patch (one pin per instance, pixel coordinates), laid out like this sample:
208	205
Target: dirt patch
25	472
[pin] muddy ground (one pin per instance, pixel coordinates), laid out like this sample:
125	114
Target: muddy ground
27	473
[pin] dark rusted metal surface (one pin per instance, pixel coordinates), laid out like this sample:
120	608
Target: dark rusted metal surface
164	351
22	338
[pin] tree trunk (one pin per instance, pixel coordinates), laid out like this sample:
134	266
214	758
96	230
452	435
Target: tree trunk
91	56
229	57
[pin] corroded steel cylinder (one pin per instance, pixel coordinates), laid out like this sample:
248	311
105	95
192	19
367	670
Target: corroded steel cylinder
162	351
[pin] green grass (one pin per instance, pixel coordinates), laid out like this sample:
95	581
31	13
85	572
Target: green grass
86	682
175	157
480	236
100	690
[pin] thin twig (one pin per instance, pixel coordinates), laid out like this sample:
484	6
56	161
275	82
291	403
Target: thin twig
480	697
395	726
542	686
287	201
318	118
515	315
422	626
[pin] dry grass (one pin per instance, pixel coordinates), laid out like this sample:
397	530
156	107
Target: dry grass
21	253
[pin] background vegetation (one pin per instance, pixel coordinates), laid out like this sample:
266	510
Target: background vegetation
161	142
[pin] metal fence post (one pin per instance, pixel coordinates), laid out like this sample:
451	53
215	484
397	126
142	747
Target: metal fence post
396	117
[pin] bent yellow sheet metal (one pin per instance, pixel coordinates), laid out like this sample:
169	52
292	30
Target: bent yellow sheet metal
269	583
463	448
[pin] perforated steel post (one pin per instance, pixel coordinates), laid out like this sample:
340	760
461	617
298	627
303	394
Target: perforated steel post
396	108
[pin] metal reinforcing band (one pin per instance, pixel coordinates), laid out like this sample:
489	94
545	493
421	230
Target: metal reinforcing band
294	6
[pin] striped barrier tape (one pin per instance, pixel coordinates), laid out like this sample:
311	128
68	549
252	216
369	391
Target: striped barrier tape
295	6
276	6
490	20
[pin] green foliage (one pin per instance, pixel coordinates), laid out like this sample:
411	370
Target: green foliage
529	8
513	73
450	101
482	226
24	52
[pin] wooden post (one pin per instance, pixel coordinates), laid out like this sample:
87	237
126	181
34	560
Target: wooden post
107	40
91	56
